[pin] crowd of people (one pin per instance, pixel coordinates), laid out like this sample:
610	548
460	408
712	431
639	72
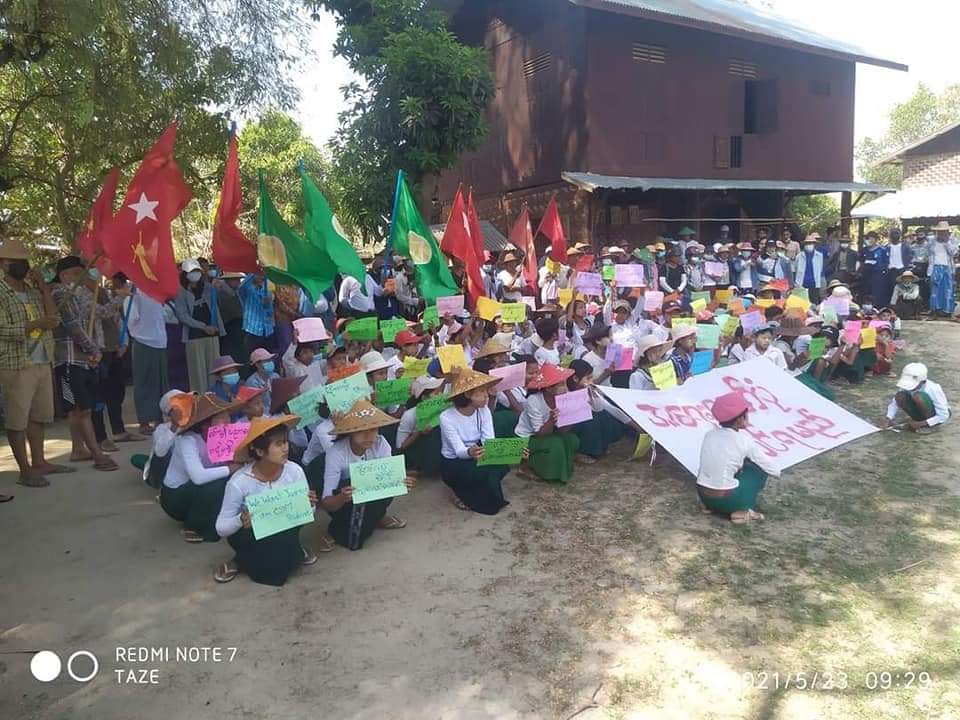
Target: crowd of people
237	348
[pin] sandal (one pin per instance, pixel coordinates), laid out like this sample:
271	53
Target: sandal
326	544
309	558
191	537
81	458
225	573
5	498
584	459
107	446
107	465
34	481
748	516
524	471
392	522
53	469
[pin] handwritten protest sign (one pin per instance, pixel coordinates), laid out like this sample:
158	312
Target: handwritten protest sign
378	479
274	511
487	308
841	306
415	367
880	324
817	347
429	410
625	361
751	321
222	441
723	296
698	305
393	392
629	275
565	296
339	373
566	361
307	406
513	312
682	321
511	376
708	337
451	356
574	408
715	269
390	328
702	362
789	422
729	325
341	395
829	315
664	375
310	330
505	451
652	300
363	329
765	303
590	283
608	272
702	295
851	331
868	338
431	318
452	305
801	292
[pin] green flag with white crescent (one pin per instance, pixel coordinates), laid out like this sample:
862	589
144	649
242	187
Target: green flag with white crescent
325	232
412	238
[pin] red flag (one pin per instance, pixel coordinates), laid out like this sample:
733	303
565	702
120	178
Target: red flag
458	243
138	239
101	213
521	236
476	233
232	251
552	228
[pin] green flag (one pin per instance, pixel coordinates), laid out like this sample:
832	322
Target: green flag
287	258
411	237
324	231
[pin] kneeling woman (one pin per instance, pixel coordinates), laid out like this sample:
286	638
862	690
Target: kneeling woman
463	429
733	468
269	560
552	449
192	491
358	439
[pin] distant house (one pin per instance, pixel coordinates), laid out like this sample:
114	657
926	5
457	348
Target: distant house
931	182
646	115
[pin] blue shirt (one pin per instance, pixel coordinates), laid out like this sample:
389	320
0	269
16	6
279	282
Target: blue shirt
682	364
257	316
809	279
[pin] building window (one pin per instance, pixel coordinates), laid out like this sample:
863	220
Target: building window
537	64
760	107
643	53
634	214
820	87
727	151
736	151
742	68
616	215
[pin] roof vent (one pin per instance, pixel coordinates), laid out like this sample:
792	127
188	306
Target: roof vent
537	64
743	68
643	53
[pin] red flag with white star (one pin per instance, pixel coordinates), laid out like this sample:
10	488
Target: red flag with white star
138	239
101	213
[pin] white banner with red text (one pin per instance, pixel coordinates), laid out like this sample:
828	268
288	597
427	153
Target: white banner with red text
790	422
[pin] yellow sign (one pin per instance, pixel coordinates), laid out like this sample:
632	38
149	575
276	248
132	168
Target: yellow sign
681	321
868	338
795	301
723	296
698	305
565	297
487	308
765	302
664	375
451	356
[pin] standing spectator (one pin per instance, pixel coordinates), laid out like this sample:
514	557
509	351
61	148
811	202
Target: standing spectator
78	358
844	264
356	301
231	311
510	278
921	263
410	301
899	260
27	316
199	314
942	253
258	318
873	265
148	344
810	264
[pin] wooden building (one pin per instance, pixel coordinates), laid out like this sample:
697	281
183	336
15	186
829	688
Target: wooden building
646	115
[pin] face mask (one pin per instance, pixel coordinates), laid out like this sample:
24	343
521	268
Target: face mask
661	254
194	276
869	241
868	308
746	254
695	260
269	366
94	273
844	245
317	359
781	255
809	248
607	261
488	268
211	273
18	269
231	378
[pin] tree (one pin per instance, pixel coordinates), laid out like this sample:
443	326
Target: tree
923	113
420	107
84	86
814	212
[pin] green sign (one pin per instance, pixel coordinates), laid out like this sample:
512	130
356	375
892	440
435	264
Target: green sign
431	317
505	451
307	406
341	395
363	329
393	392
378	479
414	367
428	412
817	347
608	272
277	510
513	312
390	328
801	292
705	296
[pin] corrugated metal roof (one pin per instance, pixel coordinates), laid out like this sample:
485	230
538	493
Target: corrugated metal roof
898	155
742	20
921	202
493	239
591	182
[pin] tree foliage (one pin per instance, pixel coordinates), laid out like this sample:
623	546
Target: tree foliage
814	212
920	115
88	85
421	105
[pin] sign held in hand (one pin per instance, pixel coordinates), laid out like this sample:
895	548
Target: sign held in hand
277	510
504	451
222	441
378	479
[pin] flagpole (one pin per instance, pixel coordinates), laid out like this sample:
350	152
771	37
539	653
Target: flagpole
393	215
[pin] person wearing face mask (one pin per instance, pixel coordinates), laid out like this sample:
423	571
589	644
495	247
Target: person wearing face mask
810	264
745	268
225	371
696	278
873	264
28	314
774	264
198	310
265	366
942	253
510	278
899	258
844	264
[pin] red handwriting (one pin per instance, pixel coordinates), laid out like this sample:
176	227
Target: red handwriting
758	396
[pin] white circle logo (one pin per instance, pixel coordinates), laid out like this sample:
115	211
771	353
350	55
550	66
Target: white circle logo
420	251
45	666
93	672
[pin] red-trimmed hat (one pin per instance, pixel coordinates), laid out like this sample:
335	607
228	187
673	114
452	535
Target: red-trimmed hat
406	337
729	407
246	393
549	376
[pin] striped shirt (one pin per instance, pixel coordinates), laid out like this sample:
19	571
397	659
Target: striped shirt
14	316
257	308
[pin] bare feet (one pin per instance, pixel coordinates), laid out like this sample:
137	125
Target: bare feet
51	469
145	429
742	517
129	437
80	456
584	459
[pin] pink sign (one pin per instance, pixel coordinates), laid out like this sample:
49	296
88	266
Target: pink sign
452	305
851	331
590	283
715	269
614	352
310	330
629	275
512	376
222	441
625	361
880	324
751	321
652	300
574	408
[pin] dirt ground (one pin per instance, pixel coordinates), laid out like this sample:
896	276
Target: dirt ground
609	598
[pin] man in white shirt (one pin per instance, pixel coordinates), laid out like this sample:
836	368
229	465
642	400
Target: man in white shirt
148	333
510	278
354	300
920	398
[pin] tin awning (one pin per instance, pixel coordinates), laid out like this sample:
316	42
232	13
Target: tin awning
591	182
939	201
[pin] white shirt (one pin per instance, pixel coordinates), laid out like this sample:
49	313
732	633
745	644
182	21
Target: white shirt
313	372
187	463
340	457
940	405
351	295
737	353
546	355
407	427
510	285
640	380
518	394
774	355
535	413
896	256
460	432
146	323
722	455
242	485
941	254
163	438
598	364
320	442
